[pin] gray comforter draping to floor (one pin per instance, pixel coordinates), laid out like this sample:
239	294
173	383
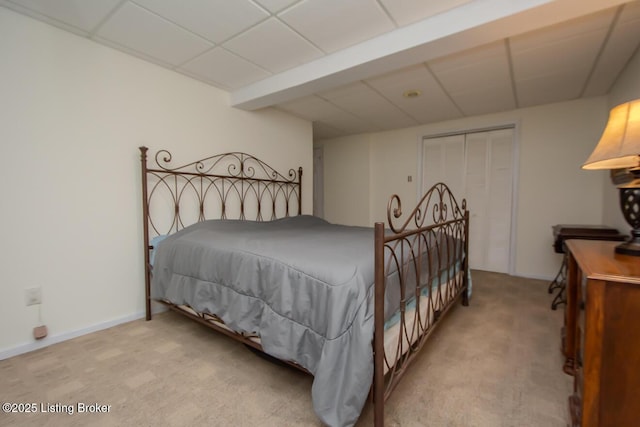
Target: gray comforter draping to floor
303	284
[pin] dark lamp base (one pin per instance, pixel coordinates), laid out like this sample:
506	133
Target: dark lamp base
628	248
630	206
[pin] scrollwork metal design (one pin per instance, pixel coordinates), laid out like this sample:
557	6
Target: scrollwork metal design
233	165
232	185
424	264
439	201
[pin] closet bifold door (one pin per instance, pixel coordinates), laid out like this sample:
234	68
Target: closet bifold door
479	166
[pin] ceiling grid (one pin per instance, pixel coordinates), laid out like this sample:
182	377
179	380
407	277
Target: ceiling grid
344	65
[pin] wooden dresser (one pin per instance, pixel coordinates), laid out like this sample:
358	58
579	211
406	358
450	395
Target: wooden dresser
601	335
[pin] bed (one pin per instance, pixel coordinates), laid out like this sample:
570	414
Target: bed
227	245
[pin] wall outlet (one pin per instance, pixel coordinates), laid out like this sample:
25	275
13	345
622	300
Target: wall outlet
33	296
40	332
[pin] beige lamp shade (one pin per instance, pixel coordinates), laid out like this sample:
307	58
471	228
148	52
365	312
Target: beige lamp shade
619	146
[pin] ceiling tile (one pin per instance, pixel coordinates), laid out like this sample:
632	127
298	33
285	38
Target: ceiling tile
478	80
315	109
275	6
486	66
225	68
345	91
623	41
215	20
312	108
630	12
274	46
364	102
336	24
138	29
324	131
550	88
571	48
567	55
566	30
406	12
432	105
82	14
572	51
486	99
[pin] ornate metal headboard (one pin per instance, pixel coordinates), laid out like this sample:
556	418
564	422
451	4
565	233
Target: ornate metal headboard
225	186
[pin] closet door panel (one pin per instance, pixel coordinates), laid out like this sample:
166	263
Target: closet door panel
432	167
476	195
442	159
499	201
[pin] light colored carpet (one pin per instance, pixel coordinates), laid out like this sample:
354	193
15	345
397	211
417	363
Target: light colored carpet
494	363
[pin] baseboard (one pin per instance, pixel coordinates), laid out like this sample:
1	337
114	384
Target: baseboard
54	339
156	308
524	276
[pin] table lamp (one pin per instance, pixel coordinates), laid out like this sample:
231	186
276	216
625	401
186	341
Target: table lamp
619	148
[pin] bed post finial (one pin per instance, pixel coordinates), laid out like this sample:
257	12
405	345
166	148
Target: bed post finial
143	156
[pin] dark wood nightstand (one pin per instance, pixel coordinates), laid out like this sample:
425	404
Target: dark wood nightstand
564	232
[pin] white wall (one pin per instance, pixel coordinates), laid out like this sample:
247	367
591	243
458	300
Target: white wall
553	142
71	118
346	180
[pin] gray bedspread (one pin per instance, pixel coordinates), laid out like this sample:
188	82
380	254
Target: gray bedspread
303	284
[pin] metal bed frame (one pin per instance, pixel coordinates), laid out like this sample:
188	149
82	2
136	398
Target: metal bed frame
239	186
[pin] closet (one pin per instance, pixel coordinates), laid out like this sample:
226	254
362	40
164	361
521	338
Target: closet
479	166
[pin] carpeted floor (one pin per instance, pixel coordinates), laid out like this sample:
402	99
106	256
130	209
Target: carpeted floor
494	363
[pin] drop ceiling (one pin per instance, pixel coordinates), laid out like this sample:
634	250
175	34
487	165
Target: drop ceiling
345	64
